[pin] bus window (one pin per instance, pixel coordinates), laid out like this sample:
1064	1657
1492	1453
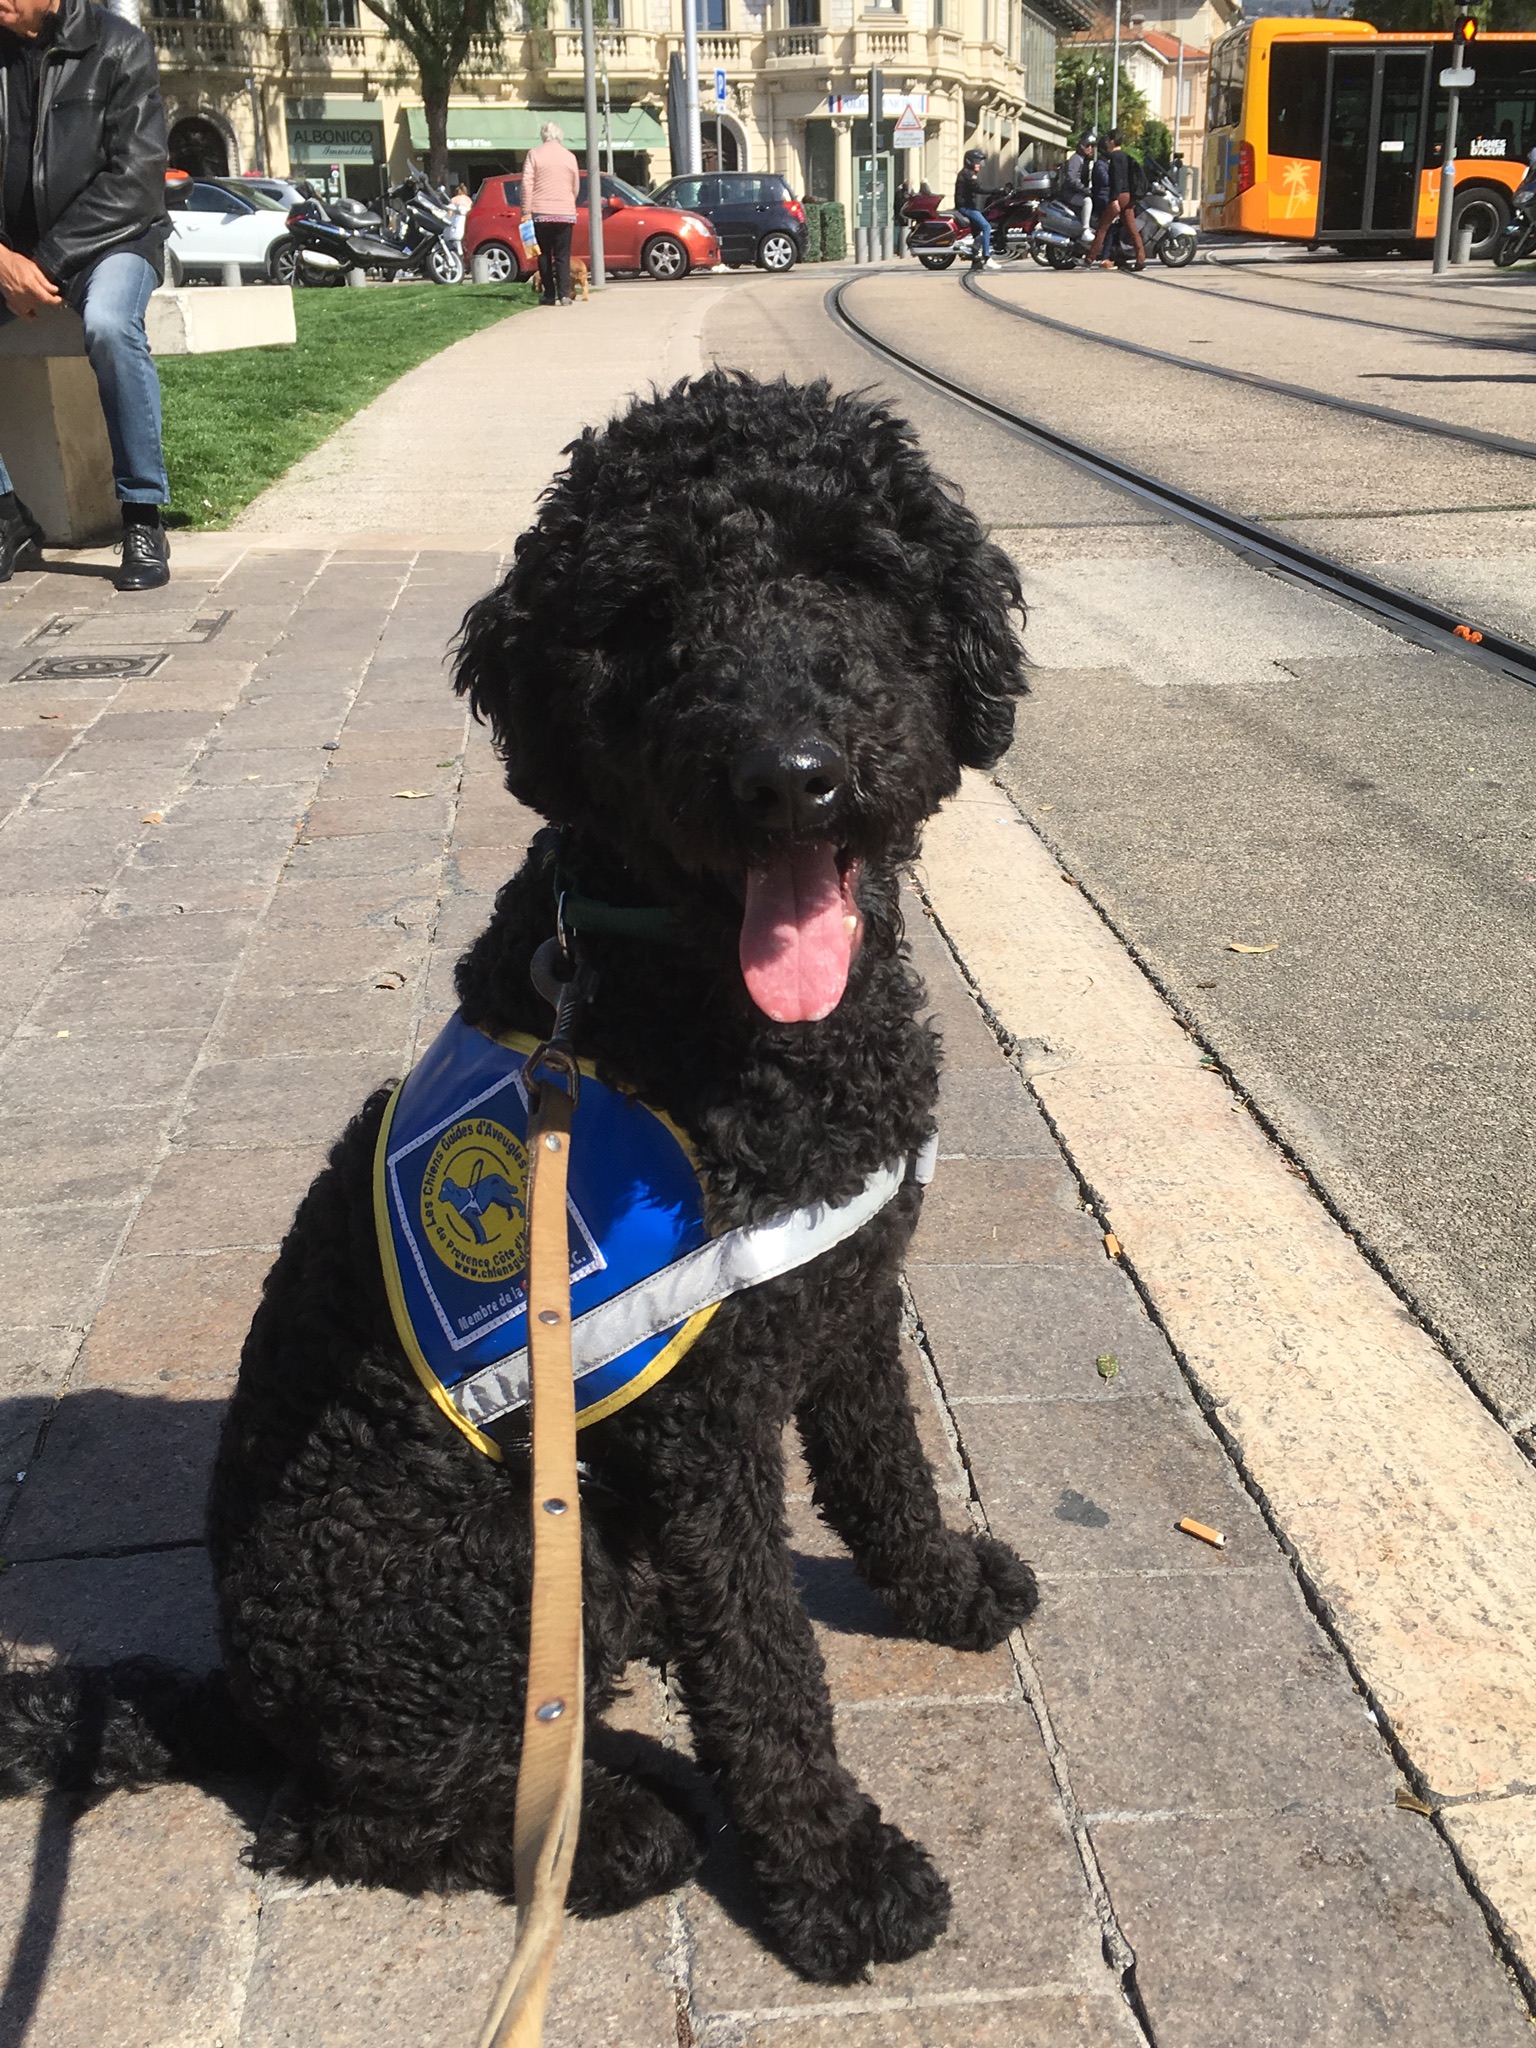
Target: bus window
1298	84
1229	69
1498	115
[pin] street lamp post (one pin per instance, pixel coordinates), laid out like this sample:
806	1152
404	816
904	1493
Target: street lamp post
594	155
1114	75
694	151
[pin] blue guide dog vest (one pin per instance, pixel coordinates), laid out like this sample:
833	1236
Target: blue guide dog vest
450	1200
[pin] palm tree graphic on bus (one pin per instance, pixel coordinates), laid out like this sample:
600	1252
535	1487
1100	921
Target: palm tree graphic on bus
1298	183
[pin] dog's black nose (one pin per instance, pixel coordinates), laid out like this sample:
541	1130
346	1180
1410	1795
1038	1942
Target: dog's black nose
789	789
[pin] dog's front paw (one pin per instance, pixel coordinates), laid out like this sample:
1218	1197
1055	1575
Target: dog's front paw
875	1897
981	1591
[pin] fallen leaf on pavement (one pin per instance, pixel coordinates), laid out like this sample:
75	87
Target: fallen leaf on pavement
153	818
1107	1365
1411	1803
413	792
393	979
1236	946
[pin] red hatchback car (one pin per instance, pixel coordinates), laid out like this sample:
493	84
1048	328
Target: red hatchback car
660	241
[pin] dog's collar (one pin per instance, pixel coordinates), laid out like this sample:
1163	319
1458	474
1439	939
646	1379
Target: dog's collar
577	913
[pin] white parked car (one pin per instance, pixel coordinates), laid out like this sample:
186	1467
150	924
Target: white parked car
214	223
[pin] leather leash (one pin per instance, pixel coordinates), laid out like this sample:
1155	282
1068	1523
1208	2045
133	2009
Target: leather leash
548	1811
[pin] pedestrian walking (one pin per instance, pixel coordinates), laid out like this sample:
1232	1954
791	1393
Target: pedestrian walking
968	207
83	224
551	181
1099	184
458	206
1124	173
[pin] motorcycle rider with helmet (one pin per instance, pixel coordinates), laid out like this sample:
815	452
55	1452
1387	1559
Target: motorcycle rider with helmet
968	207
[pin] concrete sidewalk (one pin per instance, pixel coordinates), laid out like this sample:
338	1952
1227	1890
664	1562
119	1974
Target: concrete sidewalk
236	880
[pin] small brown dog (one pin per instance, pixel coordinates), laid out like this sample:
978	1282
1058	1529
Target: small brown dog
581	277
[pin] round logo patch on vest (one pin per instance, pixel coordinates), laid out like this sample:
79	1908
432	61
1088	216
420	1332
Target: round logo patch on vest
474	1201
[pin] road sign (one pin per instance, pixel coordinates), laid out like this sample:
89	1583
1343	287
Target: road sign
1458	78
720	93
910	130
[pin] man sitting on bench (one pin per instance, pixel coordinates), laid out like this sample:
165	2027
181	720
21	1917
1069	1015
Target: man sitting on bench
83	224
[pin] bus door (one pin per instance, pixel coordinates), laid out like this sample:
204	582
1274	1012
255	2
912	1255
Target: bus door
1373	141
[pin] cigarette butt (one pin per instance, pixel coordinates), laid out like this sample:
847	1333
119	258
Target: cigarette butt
1411	1803
1112	1244
1212	1536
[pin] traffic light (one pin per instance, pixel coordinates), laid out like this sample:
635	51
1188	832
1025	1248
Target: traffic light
1463	35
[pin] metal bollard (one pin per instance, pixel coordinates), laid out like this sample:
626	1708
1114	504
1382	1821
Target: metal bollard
1462	253
861	244
232	275
357	276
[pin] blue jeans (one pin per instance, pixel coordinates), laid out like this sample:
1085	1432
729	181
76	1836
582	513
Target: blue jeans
110	299
982	226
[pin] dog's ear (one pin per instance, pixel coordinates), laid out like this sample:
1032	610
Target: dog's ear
983	597
519	662
970	604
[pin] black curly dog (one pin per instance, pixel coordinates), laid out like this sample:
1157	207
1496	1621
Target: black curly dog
748	626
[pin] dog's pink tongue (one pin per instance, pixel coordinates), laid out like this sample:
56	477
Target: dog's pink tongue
798	935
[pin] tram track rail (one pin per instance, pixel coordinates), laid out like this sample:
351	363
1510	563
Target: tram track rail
1360	408
1409	616
1238	298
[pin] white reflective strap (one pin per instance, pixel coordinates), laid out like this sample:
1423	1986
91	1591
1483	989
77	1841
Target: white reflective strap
740	1259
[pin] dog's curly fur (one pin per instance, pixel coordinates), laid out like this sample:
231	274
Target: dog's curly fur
731	565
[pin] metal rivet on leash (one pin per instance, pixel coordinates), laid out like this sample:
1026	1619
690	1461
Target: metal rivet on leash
554	1507
550	1711
549	1315
552	1142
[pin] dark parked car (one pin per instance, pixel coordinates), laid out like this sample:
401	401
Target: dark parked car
758	219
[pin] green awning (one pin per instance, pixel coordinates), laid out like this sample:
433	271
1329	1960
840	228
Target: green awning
507	128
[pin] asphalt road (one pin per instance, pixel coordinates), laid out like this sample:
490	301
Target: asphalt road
1219	757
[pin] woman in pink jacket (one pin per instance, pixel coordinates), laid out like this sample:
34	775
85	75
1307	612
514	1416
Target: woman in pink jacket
551	179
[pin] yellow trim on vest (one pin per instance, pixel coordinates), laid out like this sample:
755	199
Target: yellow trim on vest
384	1231
658	1369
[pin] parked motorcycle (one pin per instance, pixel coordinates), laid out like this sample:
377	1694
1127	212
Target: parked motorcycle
1519	236
936	238
332	238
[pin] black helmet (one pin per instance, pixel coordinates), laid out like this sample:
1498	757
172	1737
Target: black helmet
975	156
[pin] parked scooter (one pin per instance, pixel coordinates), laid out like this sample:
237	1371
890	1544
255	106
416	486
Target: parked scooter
1160	220
936	238
335	238
1519	236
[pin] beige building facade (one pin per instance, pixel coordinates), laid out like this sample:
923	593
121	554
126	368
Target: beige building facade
340	104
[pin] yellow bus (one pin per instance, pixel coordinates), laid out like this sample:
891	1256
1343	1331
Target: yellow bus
1331	131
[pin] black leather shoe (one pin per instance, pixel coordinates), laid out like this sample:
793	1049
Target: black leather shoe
146	558
16	537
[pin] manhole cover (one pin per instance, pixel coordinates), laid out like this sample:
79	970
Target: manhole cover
85	668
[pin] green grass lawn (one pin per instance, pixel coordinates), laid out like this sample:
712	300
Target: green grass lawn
235	422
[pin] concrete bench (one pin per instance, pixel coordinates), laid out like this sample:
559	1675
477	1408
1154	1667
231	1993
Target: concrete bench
52	434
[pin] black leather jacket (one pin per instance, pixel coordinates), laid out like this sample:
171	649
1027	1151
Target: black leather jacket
98	164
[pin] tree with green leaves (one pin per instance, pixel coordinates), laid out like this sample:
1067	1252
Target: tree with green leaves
1082	91
437	35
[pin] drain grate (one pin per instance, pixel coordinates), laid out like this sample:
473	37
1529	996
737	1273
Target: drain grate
103	629
87	668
